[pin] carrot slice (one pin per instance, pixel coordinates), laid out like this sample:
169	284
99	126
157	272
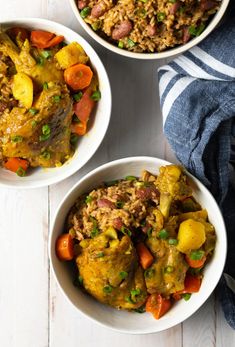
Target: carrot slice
64	247
195	263
40	39
157	305
14	164
145	257
78	76
192	284
84	107
79	128
55	41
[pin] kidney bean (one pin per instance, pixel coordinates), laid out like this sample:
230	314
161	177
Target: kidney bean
151	30
98	10
82	4
207	5
174	8
122	30
147	193
186	35
118	223
106	203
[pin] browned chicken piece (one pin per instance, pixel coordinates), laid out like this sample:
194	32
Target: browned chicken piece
110	272
167	274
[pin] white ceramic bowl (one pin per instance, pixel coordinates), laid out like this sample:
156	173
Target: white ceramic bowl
147	56
123	321
89	143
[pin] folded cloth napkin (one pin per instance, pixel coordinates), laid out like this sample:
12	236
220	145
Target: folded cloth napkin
197	93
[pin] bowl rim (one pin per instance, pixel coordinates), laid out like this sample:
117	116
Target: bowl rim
93	172
153	56
30	21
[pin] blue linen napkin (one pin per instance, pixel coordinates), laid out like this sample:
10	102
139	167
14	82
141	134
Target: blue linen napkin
197	94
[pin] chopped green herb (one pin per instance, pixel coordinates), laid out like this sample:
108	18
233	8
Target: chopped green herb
95	26
100	255
126	231
172	1
93	220
196	31
128	299
45	85
134	293
163	234
40	61
130	178
119	204
96	95
46	54
33	111
56	98
169	269
130	43
44	137
21	172
123	274
94	232
85	12
120	44
74	139
149	273
149	232
197	255
88	199
34	123
186	296
80	279
46	155
17	138
182	9
107	289
173	242
77	96
46	130
161	16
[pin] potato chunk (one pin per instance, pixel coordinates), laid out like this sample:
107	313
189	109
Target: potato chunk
191	235
22	89
70	55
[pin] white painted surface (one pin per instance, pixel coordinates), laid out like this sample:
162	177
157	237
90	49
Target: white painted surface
27	288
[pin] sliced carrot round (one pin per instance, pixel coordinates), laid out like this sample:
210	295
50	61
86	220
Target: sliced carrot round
40	38
64	247
14	164
157	305
79	128
84	107
195	263
78	76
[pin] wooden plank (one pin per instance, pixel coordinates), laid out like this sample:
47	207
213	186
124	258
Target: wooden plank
225	335
199	329
23	268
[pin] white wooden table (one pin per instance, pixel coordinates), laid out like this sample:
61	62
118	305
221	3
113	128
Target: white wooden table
33	312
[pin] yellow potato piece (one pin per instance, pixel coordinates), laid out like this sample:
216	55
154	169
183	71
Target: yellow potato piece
191	235
70	55
202	214
22	89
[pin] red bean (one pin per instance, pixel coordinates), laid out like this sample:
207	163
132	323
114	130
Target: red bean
151	30
118	223
122	30
106	203
174	8
147	193
207	5
186	35
82	4
98	10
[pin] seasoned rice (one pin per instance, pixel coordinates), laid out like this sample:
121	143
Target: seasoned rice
156	25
